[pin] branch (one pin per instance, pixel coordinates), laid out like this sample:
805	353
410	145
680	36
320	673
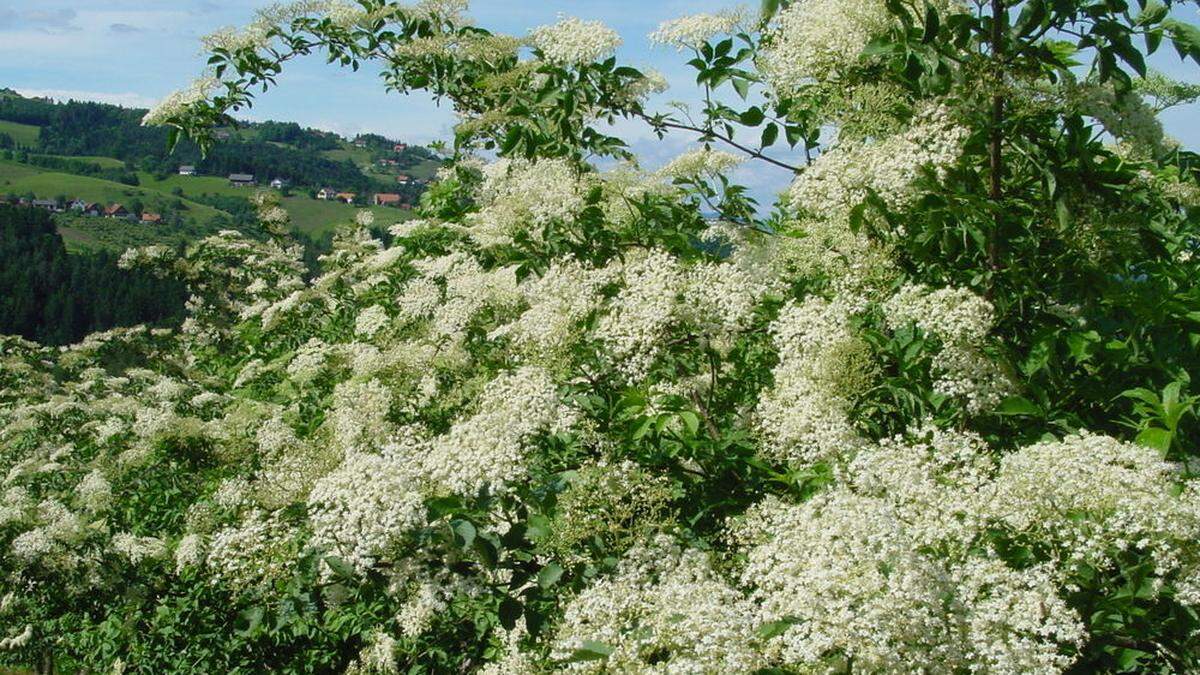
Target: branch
709	133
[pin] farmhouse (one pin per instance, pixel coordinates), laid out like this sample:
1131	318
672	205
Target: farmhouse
347	197
279	183
400	147
403	179
85	208
387	199
116	211
187	170
326	193
241	179
48	204
152	218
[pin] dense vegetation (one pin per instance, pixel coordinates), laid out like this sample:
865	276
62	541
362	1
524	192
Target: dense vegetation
934	413
55	298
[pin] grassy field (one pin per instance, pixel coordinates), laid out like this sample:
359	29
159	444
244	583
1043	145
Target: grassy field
23	134
104	162
315	217
194	185
20	179
82	233
13	171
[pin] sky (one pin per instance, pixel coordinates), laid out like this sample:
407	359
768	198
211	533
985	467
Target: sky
134	52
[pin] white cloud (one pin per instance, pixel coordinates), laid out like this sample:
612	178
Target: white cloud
127	99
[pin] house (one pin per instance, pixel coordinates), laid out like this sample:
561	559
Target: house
152	218
347	197
387	162
326	193
48	204
387	199
85	208
223	134
241	179
403	179
116	211
187	170
279	183
400	147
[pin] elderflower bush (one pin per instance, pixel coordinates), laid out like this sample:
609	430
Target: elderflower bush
930	413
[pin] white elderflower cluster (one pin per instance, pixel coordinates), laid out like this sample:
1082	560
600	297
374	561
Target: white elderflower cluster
664	610
844	176
720	298
573	42
360	511
847	583
371	321
1091	497
1125	115
378	657
94	491
173	105
701	163
137	549
559	301
690	32
189	552
640	316
961	320
254	552
489	448
815	39
822	364
17	641
523	196
359	413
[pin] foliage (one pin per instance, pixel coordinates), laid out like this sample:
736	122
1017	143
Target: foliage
935	411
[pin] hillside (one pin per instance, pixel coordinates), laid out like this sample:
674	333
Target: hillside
101	153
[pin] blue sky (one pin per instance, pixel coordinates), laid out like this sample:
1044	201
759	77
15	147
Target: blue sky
133	52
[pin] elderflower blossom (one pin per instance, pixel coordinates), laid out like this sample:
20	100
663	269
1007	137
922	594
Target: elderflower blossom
94	491
641	314
804	418
178	102
697	29
844	176
688	619
572	42
362	509
699	164
370	321
489	448
259	549
1087	495
17	641
136	549
523	196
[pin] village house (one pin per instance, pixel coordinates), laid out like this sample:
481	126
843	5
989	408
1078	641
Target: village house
151	218
187	170
400	147
279	183
326	193
241	180
85	208
116	211
403	179
48	204
347	197
387	199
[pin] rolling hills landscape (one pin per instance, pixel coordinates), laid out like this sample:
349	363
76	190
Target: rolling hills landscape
107	183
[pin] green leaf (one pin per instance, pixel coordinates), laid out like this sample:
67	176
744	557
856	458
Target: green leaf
340	567
1156	438
1018	406
769	134
932	24
691	421
590	650
510	611
549	575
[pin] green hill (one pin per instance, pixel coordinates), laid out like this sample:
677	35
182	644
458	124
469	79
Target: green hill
23	134
314	217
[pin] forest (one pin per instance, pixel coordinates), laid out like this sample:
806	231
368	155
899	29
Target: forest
56	298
